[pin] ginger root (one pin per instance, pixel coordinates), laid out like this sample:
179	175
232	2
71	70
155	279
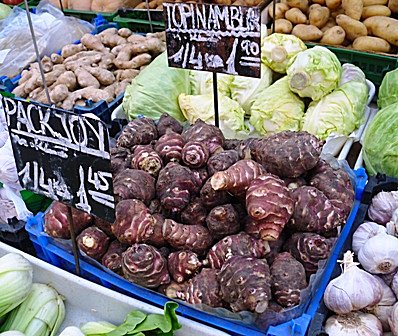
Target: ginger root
130	74
125	32
47	64
69	79
71	49
90	93
135	63
86	79
56	59
105	77
59	93
93	42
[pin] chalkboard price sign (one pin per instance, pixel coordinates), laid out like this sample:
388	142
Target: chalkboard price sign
61	155
216	38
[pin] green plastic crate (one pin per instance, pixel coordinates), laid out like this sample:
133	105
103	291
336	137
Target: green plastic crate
139	25
375	66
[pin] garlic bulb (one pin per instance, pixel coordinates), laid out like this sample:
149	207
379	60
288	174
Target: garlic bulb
393	320
353	324
379	254
382	207
384	308
392	225
363	233
394	284
354	289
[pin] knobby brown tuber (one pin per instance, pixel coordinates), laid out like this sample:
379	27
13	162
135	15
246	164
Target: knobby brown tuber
140	131
93	242
288	279
195	213
112	259
240	244
169	146
195	154
168	122
145	266
145	158
237	178
195	238
134	223
222	161
245	284
223	221
183	265
212	198
134	184
269	203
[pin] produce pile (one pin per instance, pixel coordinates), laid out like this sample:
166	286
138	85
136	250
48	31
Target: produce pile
34	309
101	6
365	300
363	25
158	4
381	156
316	95
196	212
98	68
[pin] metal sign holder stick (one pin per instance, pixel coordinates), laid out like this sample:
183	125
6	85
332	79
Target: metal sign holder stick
215	97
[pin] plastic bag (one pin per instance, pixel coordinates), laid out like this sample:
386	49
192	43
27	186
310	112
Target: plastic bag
52	29
16	209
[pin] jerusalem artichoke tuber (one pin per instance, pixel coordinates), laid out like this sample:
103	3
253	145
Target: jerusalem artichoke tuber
313	211
145	266
237	178
195	213
167	122
222	161
223	221
93	242
195	154
183	265
195	238
240	244
134	184
212	198
288	154
203	288
112	259
269	203
169	146
175	187
140	131
134	223
146	159
245	284
207	134
288	279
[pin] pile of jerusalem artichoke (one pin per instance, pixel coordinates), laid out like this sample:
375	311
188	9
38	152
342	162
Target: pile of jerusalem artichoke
98	68
225	223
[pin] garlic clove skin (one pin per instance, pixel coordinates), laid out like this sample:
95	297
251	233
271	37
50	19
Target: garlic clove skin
383	206
379	254
394	284
364	232
393	320
353	324
384	308
353	290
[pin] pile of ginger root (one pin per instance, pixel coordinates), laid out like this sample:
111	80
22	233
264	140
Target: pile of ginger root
98	68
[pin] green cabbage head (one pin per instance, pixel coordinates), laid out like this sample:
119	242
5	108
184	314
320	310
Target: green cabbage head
277	109
278	49
314	73
231	115
246	90
155	91
380	145
388	91
342	111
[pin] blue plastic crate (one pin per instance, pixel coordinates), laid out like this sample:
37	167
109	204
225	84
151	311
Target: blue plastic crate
47	249
101	109
317	307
